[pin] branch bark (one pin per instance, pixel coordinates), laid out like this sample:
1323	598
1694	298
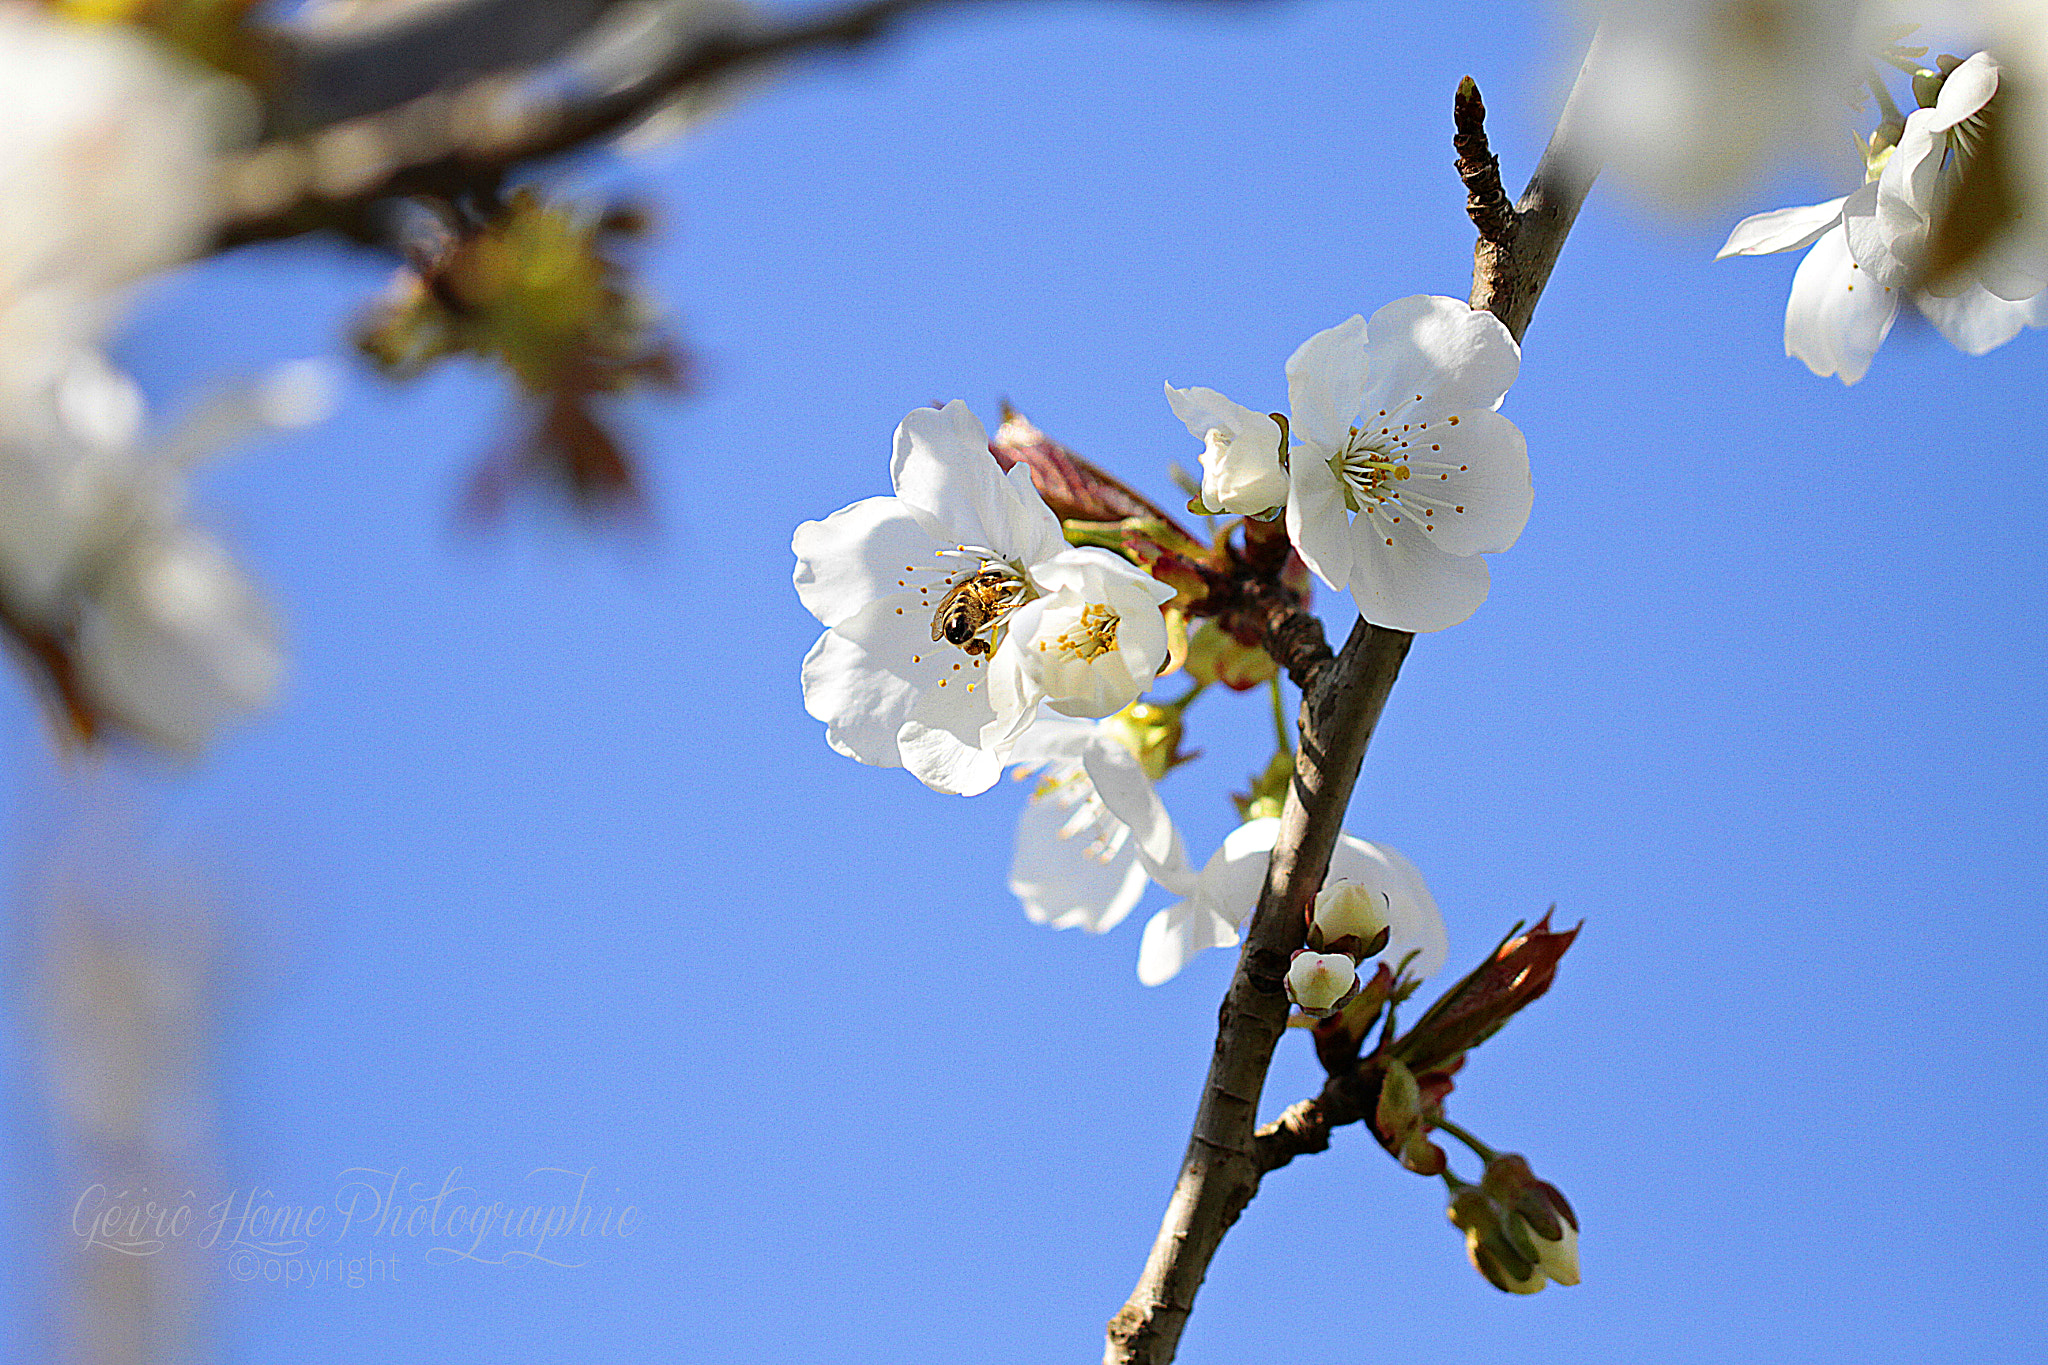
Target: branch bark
1221	1170
449	142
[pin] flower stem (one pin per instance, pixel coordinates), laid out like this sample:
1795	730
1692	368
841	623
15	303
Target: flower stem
1479	1149
1281	730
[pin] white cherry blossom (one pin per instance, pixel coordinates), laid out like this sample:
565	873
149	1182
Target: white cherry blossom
1090	644
954	607
1228	889
1243	472
1686	99
110	165
169	638
1866	250
1401	471
1094	832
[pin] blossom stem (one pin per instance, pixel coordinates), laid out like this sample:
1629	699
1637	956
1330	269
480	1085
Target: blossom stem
1340	706
1911	68
1479	1149
1283	733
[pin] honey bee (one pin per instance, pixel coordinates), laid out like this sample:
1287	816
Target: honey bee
975	604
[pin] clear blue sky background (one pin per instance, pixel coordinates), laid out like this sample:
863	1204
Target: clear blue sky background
541	863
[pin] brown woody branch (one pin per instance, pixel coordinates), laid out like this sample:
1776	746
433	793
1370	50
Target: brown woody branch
453	143
1223	1164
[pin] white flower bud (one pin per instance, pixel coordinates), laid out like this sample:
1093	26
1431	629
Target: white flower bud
1241	469
1317	981
1349	909
1560	1259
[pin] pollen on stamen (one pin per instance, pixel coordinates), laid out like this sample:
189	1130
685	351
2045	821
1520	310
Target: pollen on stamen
1390	540
1436	447
899	611
1463	467
1454	421
1459	509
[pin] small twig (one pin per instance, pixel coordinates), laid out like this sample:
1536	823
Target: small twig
1486	202
1225	1159
1508	277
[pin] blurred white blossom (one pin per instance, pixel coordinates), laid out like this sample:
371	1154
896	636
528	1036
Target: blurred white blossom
167	637
1687	99
108	158
1868	249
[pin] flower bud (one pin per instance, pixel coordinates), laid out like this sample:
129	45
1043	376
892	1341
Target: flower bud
1542	1209
1319	982
1350	918
1489	1246
1242	473
1215	655
1927	87
1150	731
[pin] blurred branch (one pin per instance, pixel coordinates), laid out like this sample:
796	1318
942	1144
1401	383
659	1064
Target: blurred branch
344	60
452	142
1224	1161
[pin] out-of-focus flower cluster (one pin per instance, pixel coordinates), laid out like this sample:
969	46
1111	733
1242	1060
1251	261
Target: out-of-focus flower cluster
132	619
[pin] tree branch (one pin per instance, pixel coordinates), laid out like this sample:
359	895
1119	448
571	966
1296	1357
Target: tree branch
452	142
1224	1161
345	61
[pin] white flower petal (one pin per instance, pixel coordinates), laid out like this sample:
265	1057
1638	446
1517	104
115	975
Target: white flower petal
1966	91
1120	780
177	641
1762	234
1428	348
1174	936
1316	519
943	470
1474	476
1977	320
863	707
1402	581
1061	884
1326	379
1416	925
858	554
1837	316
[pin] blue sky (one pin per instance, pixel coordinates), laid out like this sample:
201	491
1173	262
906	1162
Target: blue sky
540	863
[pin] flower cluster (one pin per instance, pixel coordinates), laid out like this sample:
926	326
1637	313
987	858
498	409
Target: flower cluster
962	632
1870	249
1394	467
1519	1231
954	608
